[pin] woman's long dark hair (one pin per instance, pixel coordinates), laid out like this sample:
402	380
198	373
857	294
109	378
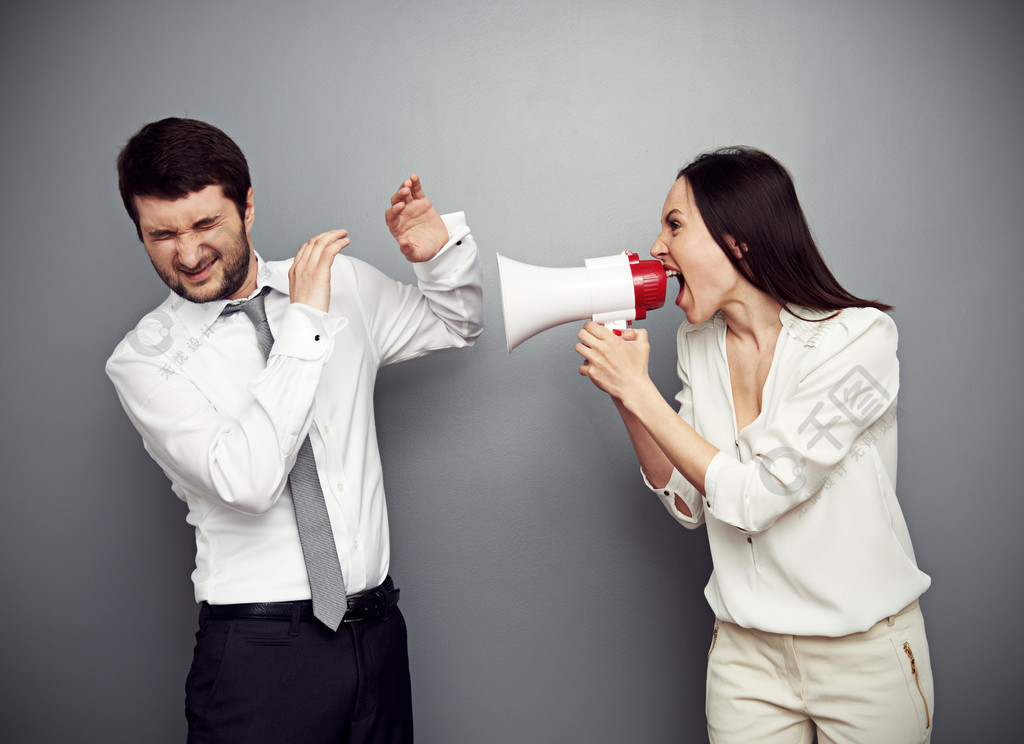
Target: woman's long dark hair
747	195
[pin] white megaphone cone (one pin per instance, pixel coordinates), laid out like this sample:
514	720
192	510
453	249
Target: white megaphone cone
613	290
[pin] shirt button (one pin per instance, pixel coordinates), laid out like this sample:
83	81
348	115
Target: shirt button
316	337
327	430
341	487
750	540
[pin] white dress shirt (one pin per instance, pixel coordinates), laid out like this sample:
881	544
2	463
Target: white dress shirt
806	534
226	426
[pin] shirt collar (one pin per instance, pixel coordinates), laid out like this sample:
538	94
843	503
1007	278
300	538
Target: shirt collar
198	316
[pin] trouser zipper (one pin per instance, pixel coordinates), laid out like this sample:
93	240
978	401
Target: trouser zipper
913	668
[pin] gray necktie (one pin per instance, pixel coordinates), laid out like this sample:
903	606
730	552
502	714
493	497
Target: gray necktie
326	583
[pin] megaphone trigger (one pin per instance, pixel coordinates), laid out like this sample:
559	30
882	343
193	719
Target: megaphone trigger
612	290
618	327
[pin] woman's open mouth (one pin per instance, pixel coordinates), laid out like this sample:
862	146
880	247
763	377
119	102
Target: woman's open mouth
670	273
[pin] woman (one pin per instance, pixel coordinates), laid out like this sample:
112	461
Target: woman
784	445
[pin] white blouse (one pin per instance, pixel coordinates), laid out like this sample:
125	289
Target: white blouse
806	534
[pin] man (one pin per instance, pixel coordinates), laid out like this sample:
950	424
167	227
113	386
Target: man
263	421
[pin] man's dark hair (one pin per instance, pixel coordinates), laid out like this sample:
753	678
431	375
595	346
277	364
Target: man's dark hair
172	158
749	196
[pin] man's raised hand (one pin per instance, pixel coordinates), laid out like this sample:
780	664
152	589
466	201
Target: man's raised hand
414	222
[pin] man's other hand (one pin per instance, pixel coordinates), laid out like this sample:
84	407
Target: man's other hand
309	278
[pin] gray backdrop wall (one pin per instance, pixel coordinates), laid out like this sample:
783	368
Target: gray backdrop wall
549	596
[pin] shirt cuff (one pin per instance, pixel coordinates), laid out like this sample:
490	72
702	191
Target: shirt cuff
677	486
305	333
450	258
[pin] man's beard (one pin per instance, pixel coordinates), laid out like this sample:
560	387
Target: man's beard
234	268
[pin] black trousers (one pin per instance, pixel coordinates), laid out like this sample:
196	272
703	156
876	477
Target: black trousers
282	681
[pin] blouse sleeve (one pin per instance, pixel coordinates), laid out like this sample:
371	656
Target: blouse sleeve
678	486
847	382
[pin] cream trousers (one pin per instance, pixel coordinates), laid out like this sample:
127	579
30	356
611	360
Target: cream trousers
873	687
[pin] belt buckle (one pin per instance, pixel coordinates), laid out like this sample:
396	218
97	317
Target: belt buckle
376	604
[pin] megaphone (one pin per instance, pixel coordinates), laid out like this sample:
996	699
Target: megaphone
613	290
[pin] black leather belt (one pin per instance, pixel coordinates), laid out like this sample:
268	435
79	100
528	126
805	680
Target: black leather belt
363	606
